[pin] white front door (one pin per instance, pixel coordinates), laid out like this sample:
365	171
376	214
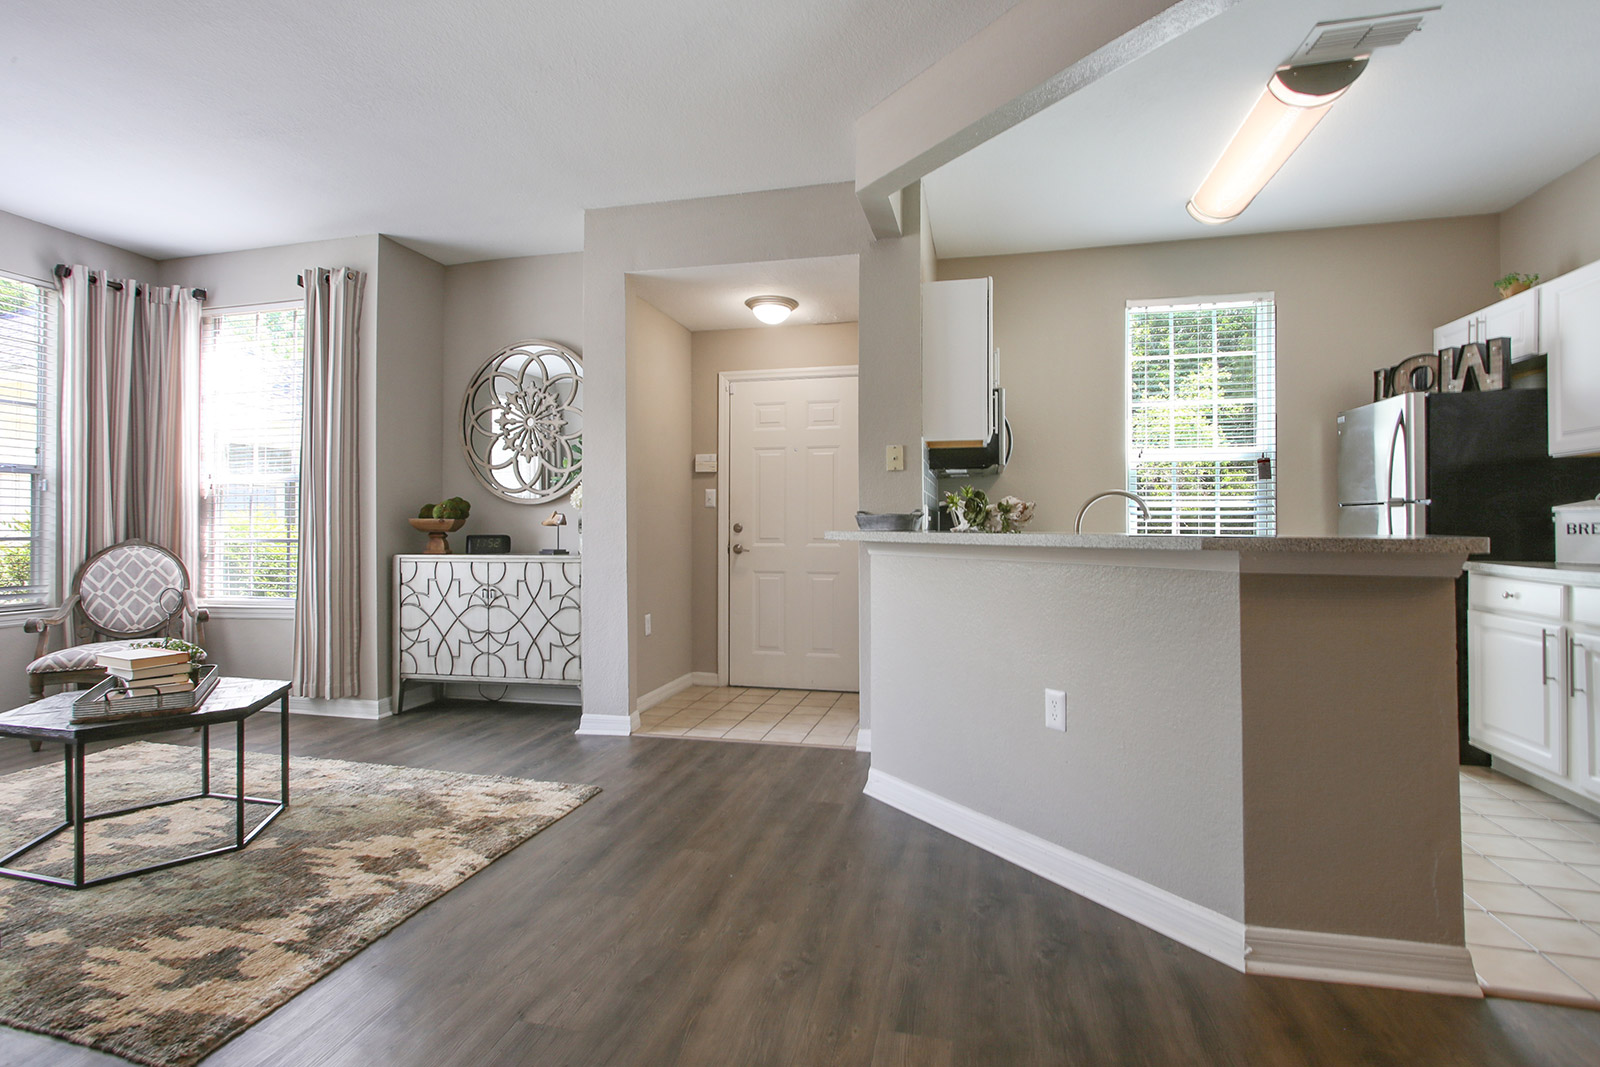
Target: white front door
792	619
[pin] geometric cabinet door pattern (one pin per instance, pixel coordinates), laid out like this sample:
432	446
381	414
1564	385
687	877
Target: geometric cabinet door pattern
487	618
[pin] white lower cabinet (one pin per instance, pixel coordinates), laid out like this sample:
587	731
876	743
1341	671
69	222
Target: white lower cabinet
1585	678
1533	673
1518	695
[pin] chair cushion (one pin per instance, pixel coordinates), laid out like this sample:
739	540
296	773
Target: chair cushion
131	588
78	657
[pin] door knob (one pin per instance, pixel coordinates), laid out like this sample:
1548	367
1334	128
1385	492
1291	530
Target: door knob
738	527
738	550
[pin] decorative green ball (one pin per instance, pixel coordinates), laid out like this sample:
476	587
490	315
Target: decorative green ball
449	510
464	505
426	512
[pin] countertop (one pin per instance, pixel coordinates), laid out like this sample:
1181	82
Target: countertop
1565	573
1357	546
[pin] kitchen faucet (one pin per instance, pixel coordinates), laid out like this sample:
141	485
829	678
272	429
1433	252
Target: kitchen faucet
1144	509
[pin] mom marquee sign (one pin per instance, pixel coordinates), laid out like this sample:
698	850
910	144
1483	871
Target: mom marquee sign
1481	365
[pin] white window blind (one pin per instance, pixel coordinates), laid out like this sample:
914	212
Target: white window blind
27	348
250	384
1202	419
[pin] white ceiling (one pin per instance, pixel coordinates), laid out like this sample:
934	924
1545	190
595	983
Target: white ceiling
1491	100
467	130
712	298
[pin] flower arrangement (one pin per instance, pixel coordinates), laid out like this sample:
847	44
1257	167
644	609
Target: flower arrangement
577	497
972	511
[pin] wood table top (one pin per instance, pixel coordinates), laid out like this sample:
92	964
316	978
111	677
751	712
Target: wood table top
51	718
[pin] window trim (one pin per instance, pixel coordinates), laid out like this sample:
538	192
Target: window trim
46	501
233	607
1128	456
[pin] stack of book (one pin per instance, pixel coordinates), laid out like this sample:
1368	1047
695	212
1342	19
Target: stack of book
144	671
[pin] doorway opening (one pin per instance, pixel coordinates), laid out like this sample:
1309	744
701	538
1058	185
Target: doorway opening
697	358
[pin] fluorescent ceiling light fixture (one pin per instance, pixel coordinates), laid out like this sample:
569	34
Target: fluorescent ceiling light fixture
771	309
1290	107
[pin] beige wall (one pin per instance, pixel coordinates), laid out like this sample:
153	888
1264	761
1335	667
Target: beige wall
1555	229
1341	834
407	427
488	306
713	352
1348	301
659	471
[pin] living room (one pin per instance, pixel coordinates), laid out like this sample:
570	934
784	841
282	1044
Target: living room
501	873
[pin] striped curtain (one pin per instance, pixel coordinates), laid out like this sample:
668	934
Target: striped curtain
130	359
327	611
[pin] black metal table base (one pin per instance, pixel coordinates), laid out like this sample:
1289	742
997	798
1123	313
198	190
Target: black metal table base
76	820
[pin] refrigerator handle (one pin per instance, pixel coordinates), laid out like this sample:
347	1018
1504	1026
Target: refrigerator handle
1402	434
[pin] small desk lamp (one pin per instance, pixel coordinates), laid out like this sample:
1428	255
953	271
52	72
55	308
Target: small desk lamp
558	520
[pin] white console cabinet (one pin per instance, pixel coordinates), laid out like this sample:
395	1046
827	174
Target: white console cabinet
1533	660
499	619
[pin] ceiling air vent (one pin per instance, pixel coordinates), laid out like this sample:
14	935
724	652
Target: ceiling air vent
1329	42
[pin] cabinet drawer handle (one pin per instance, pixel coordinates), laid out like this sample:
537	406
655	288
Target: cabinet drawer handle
1509	595
1544	655
1573	688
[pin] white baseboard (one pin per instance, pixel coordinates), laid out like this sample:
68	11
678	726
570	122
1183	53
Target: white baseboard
662	692
863	740
1204	930
342	708
1353	960
605	725
705	678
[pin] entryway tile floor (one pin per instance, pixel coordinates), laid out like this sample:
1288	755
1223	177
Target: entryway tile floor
1532	880
769	716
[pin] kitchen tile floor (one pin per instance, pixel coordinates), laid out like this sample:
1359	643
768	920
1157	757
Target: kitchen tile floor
1532	879
769	716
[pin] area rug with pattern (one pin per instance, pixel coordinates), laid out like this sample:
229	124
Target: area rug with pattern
163	968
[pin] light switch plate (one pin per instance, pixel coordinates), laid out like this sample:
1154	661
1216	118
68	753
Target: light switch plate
705	463
711	498
894	458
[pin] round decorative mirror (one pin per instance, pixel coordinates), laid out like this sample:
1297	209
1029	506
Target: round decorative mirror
522	422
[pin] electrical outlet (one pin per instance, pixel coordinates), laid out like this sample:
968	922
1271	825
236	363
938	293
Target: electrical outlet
1055	709
647	624
894	458
711	498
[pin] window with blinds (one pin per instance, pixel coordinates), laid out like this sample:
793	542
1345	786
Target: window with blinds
1202	423
27	347
250	383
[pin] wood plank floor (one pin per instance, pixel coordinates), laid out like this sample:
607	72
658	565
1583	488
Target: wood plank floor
744	904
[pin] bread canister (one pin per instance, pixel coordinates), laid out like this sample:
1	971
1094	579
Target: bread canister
1578	532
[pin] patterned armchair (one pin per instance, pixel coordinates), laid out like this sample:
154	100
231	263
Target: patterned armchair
126	593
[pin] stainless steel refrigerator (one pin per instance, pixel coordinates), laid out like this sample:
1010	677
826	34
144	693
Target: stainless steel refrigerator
1473	464
1383	468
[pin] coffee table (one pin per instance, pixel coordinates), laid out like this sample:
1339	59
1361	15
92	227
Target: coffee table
234	700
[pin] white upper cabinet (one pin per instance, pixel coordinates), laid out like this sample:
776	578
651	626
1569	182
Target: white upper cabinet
1569	324
958	363
1516	318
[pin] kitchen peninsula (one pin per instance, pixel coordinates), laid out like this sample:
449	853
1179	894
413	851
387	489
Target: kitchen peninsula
1259	754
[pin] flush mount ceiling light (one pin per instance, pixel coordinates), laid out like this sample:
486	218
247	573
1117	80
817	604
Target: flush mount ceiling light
1296	98
771	309
1290	107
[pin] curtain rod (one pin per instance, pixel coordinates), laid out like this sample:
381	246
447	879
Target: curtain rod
64	271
